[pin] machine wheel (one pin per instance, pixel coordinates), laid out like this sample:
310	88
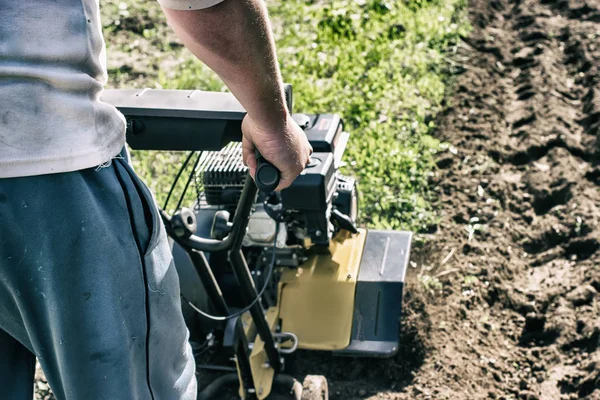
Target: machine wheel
292	393
315	387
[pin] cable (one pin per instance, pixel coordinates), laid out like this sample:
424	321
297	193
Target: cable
256	300
199	350
216	368
185	163
187	184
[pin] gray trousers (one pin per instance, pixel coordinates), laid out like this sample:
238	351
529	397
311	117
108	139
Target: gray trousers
88	285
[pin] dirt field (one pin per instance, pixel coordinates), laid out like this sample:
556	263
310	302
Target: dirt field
511	307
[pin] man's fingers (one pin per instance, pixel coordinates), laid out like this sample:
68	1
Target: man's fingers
248	155
290	151
288	178
284	183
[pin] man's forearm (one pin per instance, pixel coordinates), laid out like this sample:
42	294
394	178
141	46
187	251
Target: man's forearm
234	39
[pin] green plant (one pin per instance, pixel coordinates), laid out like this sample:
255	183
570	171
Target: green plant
380	64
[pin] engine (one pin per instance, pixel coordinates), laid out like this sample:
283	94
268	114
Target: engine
318	203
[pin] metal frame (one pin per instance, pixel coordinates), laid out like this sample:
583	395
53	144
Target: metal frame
196	245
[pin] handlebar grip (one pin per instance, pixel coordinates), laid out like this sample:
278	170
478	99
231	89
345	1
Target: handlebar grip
267	176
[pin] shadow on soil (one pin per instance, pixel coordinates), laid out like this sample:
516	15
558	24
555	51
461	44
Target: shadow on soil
359	378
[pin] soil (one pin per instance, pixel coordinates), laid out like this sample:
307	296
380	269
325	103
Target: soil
503	302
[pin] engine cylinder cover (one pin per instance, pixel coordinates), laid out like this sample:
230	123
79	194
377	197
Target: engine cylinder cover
262	229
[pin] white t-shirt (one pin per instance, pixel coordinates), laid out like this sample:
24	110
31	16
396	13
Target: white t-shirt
52	70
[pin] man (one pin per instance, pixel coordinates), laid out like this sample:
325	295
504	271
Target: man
87	282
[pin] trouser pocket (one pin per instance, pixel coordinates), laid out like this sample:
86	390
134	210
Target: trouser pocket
167	333
146	222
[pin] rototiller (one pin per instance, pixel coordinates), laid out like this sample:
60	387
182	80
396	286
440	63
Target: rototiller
263	273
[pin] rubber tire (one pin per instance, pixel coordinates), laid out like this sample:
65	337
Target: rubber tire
315	387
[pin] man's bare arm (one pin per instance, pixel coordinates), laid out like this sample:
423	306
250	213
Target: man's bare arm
234	39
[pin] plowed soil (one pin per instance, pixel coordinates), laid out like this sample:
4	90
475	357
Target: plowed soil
503	302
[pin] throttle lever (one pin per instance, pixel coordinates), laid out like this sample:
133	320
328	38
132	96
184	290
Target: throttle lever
267	176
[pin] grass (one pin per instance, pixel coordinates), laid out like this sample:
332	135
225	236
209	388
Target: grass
380	64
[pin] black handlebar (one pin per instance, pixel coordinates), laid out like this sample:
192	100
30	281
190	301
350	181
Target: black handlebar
267	176
238	227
